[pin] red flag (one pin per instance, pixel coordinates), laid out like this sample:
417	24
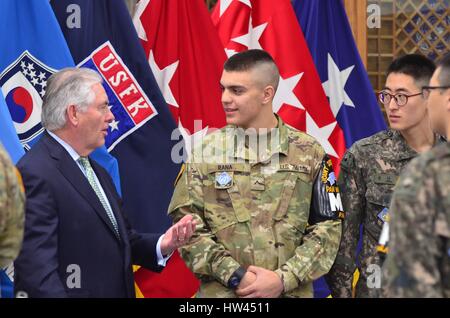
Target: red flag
300	99
186	57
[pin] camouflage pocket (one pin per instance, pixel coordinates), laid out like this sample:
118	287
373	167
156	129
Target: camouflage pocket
378	199
219	212
385	178
380	195
287	190
291	210
227	201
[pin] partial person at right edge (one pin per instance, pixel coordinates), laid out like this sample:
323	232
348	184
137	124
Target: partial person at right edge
418	263
370	169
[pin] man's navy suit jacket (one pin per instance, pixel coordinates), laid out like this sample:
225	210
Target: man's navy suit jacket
70	248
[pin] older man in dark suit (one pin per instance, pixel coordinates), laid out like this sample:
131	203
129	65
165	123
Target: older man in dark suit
77	241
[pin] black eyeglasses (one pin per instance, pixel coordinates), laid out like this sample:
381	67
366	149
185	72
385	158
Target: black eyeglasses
426	90
400	98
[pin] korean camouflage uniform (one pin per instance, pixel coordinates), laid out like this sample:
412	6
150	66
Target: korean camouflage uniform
256	213
11	210
369	171
418	262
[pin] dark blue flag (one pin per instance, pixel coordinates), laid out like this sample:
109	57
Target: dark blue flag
344	79
101	36
33	48
330	40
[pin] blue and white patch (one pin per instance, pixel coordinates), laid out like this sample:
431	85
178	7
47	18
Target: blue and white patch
223	180
23	85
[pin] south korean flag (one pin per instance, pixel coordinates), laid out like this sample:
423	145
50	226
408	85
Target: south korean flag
23	84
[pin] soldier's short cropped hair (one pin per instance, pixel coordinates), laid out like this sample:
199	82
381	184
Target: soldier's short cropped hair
419	67
444	75
250	59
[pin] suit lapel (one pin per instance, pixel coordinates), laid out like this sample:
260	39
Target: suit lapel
70	170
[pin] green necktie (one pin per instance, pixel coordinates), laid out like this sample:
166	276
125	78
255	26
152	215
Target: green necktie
84	161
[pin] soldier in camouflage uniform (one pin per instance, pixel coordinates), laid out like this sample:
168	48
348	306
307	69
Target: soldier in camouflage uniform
370	168
418	262
268	212
11	210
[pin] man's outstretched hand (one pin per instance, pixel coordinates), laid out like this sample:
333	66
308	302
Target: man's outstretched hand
178	234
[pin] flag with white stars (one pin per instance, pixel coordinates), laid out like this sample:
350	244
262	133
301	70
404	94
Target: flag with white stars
342	73
300	99
344	79
32	48
186	58
26	63
127	100
23	85
140	136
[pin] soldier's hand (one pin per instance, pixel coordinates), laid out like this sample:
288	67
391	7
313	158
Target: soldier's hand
247	280
178	235
266	285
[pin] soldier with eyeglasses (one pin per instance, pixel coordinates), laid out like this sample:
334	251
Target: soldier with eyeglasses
418	263
370	169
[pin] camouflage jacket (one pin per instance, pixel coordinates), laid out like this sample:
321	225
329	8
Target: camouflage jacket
369	171
254	210
12	215
418	263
